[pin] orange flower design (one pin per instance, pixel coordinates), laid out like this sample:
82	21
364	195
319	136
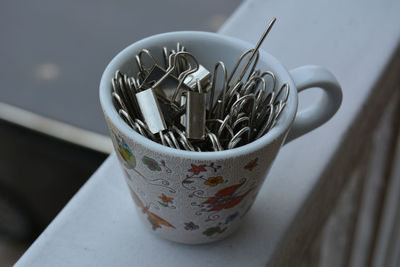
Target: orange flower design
166	199
251	165
197	169
213	181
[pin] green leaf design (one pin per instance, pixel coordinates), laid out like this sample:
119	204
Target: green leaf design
187	181
163	204
154	223
212	230
127	155
151	163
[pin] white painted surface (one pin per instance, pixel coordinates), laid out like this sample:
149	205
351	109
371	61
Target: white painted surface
354	39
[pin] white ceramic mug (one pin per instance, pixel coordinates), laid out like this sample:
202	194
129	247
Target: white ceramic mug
200	197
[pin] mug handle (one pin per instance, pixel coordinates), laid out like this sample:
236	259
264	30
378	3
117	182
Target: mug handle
310	118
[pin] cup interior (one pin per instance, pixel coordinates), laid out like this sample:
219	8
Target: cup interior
208	48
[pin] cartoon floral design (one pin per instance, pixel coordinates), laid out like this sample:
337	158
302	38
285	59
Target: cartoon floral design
191	226
231	217
251	165
126	153
214	230
151	163
221	227
197	169
187	181
213	181
129	161
155	220
226	198
165	200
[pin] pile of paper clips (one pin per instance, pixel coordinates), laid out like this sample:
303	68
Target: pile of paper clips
176	104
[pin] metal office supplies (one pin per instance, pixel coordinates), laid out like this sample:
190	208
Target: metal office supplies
179	103
195	113
147	99
219	107
202	75
151	111
254	51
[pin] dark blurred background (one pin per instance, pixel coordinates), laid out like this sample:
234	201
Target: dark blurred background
52	132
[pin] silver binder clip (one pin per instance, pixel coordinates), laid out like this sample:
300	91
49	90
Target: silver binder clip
167	87
202	74
195	114
164	82
151	111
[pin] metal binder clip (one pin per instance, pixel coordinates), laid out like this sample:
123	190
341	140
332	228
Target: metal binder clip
151	111
202	74
143	69
163	89
164	81
182	76
196	113
147	99
183	104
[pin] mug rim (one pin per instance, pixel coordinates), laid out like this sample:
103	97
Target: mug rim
129	52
